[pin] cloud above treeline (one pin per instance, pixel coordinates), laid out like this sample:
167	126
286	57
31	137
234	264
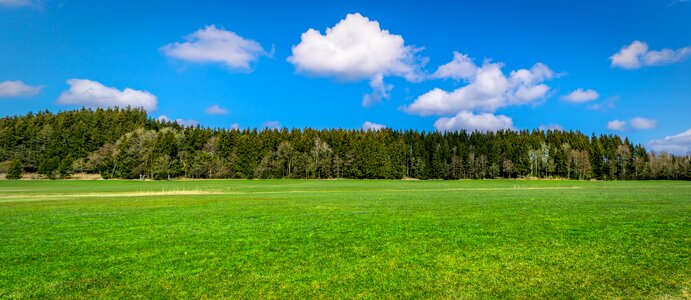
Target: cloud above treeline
487	89
643	123
271	125
466	120
357	49
604	105
553	127
217	45
679	144
616	125
181	122
580	95
216	110
17	88
372	126
84	92
637	123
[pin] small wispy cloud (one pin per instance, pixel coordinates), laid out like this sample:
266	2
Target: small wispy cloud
641	123
616	125
580	95
272	125
467	120
605	104
187	122
181	122
372	126
677	2
637	54
21	3
553	127
216	110
18	88
637	123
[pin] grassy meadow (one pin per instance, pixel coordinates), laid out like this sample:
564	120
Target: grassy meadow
345	239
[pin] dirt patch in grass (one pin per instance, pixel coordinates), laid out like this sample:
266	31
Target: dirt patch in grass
38	197
86	176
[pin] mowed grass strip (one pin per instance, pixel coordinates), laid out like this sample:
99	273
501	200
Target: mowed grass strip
345	238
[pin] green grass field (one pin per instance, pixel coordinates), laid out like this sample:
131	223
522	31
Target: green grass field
345	239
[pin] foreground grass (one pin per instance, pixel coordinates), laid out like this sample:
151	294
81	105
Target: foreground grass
334	239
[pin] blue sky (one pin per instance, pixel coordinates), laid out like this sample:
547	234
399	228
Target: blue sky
252	61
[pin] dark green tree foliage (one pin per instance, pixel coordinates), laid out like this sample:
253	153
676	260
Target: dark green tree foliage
125	143
16	170
49	143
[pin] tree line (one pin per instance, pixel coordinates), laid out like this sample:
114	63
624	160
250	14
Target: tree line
126	143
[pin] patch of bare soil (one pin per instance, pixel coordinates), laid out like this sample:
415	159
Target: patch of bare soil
38	197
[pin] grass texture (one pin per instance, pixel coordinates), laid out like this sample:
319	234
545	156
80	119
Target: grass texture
345	239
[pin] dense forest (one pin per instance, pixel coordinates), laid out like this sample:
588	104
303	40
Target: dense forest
126	143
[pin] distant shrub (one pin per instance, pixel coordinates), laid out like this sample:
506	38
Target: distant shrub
16	170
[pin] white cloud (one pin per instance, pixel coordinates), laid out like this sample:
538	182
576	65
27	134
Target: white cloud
461	67
637	54
272	125
677	2
216	110
605	104
235	126
487	90
580	95
380	90
629	56
355	49
17	88
666	56
679	144
372	126
21	3
616	125
538	73
637	123
94	94
187	123
643	123
214	45
468	121
181	122
553	127
528	94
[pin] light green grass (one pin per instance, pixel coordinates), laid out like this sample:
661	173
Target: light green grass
345	239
